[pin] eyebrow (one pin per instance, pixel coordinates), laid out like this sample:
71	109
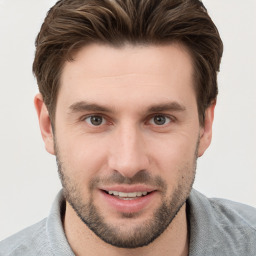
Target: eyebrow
85	106
171	106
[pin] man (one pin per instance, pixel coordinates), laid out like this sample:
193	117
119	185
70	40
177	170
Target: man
127	96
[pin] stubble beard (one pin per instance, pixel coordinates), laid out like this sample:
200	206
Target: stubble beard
147	231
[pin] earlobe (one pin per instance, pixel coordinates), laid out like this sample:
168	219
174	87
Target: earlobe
44	123
206	130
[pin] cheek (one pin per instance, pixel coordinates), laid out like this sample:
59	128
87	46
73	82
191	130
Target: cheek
173	153
82	157
175	163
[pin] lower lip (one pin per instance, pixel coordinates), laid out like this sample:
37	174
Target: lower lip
128	206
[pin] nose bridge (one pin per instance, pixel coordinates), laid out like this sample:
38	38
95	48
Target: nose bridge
128	154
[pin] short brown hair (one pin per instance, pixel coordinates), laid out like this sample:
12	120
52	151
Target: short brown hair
72	24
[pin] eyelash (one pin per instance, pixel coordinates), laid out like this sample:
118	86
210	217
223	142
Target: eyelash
171	119
94	115
106	122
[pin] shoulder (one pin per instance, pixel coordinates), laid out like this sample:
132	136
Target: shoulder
237	213
226	211
232	226
30	241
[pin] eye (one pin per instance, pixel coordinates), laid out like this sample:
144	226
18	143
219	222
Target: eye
159	120
95	120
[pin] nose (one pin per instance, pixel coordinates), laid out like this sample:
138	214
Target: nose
128	153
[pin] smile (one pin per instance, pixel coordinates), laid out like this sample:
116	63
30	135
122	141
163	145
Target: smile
128	199
127	196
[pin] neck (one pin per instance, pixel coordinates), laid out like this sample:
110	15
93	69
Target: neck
173	241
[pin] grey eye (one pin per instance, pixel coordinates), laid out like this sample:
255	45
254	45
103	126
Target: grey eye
159	120
95	120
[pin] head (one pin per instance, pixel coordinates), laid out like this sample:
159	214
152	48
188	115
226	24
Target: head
127	97
71	25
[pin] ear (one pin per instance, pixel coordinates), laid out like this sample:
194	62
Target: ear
44	123
206	130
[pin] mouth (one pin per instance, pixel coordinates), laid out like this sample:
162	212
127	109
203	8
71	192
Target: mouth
128	199
127	195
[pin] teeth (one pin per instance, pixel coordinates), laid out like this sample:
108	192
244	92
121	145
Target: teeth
127	195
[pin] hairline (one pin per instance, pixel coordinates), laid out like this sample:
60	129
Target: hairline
71	56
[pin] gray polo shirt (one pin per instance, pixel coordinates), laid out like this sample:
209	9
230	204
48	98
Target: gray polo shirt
217	227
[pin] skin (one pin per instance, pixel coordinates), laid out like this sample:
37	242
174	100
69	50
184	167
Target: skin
133	84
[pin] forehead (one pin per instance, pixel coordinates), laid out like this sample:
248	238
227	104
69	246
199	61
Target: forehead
107	60
104	73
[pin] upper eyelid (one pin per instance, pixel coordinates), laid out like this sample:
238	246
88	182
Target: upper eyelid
105	118
146	119
173	118
83	117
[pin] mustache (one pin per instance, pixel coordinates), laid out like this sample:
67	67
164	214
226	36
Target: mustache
141	177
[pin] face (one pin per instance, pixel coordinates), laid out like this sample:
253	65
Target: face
127	137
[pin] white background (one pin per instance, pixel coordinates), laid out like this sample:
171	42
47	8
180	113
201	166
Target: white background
28	176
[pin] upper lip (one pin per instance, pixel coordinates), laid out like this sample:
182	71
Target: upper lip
128	188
